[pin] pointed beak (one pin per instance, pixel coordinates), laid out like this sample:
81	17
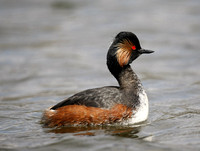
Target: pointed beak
141	51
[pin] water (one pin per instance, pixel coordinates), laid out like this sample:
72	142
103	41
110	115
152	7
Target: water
50	50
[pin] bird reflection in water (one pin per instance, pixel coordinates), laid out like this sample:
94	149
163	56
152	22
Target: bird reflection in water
118	130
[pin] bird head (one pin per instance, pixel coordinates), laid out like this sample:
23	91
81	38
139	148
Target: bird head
126	48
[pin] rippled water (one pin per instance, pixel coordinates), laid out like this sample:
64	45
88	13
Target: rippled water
50	50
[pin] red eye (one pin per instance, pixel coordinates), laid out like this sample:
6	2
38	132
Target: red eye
133	47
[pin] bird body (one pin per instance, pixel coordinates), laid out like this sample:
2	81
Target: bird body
127	103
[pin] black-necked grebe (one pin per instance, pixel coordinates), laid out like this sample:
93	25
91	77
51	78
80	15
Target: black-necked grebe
111	104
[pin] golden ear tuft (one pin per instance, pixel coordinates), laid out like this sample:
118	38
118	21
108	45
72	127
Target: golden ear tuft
124	51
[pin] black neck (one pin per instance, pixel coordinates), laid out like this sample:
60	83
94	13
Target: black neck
129	83
125	76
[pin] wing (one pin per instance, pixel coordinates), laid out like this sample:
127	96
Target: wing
104	97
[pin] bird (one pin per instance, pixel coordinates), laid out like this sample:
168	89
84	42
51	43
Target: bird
124	104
